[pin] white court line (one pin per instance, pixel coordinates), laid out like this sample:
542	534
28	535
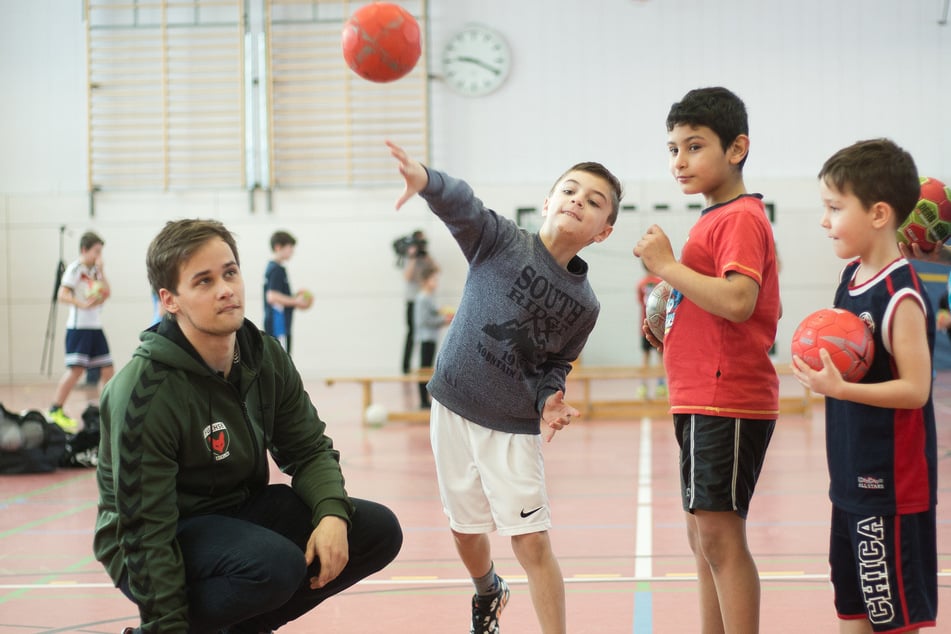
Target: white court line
644	540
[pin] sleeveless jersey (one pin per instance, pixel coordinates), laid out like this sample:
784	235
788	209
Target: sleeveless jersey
882	461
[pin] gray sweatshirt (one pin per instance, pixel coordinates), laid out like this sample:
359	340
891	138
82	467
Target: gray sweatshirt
521	322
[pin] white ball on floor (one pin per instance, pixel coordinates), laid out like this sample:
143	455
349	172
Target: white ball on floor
376	414
11	438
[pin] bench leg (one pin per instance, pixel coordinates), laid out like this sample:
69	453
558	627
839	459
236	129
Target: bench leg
367	401
586	397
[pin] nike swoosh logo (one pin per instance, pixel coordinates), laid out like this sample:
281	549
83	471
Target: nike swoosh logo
526	514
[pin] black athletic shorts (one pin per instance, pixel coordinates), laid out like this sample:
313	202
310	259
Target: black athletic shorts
720	460
885	569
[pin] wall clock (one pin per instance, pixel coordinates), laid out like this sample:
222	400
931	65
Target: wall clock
476	61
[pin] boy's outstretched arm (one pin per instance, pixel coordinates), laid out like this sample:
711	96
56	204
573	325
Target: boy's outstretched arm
412	171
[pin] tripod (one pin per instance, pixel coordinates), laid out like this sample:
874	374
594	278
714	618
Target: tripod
46	361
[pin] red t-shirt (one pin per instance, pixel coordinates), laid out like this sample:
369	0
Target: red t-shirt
715	366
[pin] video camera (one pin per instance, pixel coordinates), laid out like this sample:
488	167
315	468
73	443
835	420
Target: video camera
401	246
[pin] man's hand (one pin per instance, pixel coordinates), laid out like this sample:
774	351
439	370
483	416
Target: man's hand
328	544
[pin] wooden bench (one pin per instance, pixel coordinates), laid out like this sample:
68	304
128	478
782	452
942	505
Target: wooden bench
582	377
594	407
367	382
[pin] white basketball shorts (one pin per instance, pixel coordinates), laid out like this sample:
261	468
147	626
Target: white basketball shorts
488	480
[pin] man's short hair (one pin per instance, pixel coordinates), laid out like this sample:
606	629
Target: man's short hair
175	244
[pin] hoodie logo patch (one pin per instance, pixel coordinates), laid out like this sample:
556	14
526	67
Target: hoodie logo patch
218	440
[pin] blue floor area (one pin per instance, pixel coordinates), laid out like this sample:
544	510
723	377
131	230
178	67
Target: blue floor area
935	277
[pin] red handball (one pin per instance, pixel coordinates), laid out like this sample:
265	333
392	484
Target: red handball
846	336
929	223
381	42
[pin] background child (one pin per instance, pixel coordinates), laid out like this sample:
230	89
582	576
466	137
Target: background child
880	432
724	390
279	301
526	311
85	288
416	257
428	320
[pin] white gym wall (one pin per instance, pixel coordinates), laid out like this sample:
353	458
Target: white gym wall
590	81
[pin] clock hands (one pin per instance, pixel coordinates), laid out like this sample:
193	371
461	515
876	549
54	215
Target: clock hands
477	62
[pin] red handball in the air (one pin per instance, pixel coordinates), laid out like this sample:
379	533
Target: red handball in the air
846	336
381	42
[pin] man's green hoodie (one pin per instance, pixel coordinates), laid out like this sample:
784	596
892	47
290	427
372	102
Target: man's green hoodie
179	439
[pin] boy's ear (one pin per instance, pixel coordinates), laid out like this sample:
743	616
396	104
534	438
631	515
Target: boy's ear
601	237
545	207
738	149
882	214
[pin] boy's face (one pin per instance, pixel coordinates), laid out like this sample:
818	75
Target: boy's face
846	220
283	252
91	255
210	294
579	206
698	161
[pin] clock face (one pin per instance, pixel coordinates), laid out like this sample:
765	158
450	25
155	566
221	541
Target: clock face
476	61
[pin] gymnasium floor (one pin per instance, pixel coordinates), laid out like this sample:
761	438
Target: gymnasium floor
618	532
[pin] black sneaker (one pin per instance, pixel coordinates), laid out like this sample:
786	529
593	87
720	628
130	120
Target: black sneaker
487	610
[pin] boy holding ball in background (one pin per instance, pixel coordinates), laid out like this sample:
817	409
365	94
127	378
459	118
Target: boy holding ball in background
880	432
279	302
84	288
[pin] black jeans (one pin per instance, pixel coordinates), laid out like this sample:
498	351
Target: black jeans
245	571
427	355
410	337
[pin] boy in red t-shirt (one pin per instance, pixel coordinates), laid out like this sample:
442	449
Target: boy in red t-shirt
722	315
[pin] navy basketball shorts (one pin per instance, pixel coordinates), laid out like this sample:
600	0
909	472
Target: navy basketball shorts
720	460
87	348
885	569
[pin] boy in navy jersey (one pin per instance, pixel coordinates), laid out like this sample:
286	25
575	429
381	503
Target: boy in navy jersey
880	432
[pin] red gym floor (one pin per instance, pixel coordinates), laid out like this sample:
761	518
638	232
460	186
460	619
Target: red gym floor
618	532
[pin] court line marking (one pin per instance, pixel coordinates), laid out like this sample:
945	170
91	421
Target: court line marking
587	579
643	621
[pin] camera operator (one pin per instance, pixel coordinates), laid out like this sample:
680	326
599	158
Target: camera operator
413	254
